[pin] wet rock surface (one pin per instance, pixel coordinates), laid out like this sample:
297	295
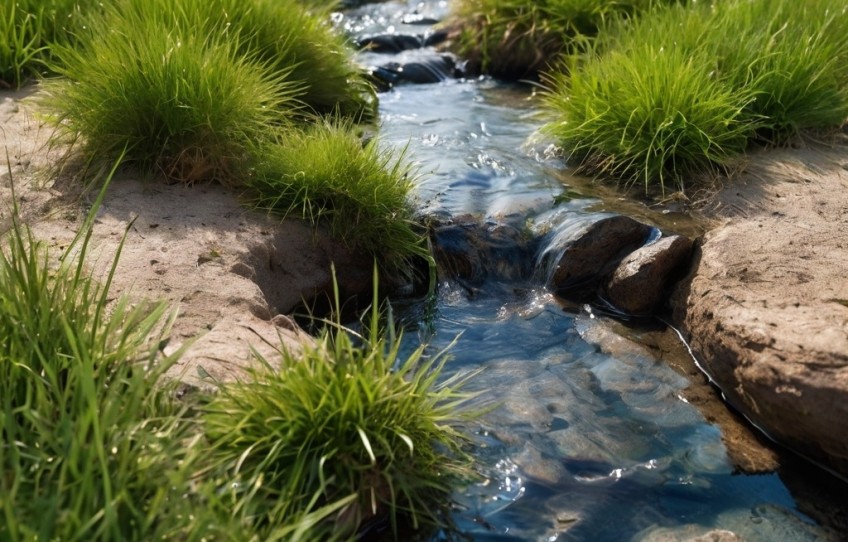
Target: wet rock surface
765	307
433	68
638	285
592	255
472	250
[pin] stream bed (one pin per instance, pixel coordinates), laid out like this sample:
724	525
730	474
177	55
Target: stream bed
588	437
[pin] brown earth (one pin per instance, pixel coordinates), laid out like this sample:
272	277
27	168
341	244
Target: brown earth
229	272
765	307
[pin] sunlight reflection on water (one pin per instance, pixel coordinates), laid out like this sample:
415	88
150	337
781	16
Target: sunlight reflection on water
580	443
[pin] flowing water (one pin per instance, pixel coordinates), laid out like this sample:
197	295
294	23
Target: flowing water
589	437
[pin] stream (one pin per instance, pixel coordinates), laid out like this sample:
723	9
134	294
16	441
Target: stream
588	436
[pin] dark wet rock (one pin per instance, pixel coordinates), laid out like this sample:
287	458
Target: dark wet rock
396	43
472	250
434	38
593	255
638	285
430	70
390	43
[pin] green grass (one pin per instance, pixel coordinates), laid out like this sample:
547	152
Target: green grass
183	85
361	193
291	37
514	39
96	448
28	29
683	90
180	105
791	56
346	432
90	442
188	90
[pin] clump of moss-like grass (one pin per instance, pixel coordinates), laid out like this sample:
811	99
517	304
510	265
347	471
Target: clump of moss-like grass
515	39
325	175
180	104
190	89
682	90
348	431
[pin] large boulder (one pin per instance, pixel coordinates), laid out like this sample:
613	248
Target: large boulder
765	307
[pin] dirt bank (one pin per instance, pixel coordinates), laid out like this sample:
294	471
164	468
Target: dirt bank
765	307
229	272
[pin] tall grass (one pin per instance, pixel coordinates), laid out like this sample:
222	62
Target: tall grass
347	433
95	447
290	37
90	442
682	90
792	57
28	29
361	193
514	39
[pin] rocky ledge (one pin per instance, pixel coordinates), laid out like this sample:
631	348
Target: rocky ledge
765	306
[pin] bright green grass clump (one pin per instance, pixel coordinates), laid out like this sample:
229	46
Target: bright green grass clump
290	37
28	29
183	105
682	90
183	85
325	175
346	432
514	39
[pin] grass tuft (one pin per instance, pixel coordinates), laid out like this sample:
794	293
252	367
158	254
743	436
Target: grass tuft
90	439
361	193
347	432
682	90
181	105
94	447
184	85
28	30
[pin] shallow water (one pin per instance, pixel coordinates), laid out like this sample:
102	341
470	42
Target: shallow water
590	438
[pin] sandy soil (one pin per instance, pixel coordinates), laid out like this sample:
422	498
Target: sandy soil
229	272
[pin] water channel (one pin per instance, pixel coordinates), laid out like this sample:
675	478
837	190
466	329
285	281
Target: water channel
591	438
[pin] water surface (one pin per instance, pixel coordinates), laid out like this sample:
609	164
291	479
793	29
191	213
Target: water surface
590	438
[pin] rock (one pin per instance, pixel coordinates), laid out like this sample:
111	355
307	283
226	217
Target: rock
427	70
471	250
390	43
718	535
685	534
594	254
765	307
639	282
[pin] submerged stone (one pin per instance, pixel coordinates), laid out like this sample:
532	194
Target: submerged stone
472	250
